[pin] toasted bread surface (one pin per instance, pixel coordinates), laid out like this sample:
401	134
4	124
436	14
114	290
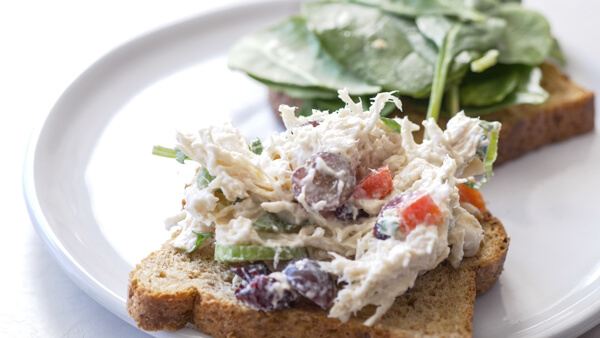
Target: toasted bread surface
170	289
569	111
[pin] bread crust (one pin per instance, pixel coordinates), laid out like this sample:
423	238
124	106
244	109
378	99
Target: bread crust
569	111
488	263
169	289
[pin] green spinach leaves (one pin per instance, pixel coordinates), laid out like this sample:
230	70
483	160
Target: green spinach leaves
477	55
291	55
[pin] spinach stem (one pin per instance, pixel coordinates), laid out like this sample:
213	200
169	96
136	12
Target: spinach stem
164	151
441	73
452	99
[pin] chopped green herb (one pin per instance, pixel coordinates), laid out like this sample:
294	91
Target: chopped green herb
391	123
256	146
204	177
200	238
388	226
181	157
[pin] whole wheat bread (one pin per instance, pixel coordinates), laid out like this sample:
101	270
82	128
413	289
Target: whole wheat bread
569	111
170	289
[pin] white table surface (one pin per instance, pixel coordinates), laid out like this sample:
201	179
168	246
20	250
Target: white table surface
45	45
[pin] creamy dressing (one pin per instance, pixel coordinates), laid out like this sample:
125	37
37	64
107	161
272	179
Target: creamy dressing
246	185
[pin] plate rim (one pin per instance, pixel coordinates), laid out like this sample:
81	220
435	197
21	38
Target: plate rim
573	325
79	275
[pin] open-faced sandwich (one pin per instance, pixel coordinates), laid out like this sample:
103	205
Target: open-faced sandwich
489	58
341	225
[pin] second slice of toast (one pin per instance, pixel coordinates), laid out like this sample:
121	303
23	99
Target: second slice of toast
569	111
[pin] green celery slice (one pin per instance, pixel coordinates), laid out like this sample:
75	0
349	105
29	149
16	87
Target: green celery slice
487	154
170	153
242	253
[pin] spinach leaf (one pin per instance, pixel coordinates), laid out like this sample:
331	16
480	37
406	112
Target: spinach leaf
480	36
414	8
418	48
319	104
556	54
373	45
460	66
300	92
485	6
453	37
526	39
528	91
489	59
489	87
288	53
435	27
521	35
474	36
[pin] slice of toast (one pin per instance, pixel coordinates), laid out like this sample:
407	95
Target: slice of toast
170	289
569	111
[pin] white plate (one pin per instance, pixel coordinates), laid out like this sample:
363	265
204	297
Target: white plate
98	197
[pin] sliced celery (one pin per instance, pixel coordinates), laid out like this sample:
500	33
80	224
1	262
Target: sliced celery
487	152
241	253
